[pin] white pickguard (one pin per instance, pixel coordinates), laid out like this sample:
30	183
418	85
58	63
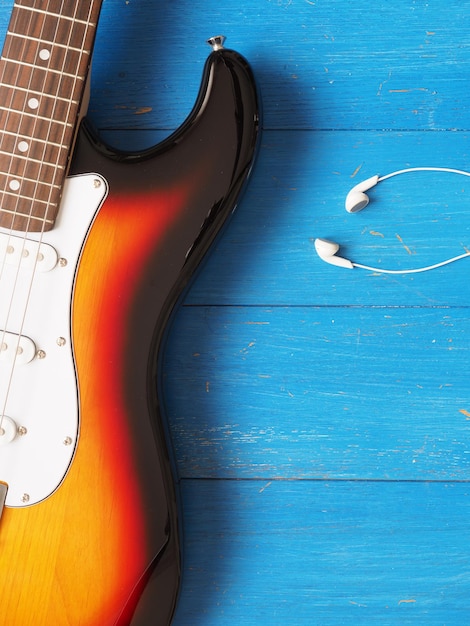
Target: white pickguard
38	386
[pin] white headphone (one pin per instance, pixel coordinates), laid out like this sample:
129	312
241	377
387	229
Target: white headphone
356	200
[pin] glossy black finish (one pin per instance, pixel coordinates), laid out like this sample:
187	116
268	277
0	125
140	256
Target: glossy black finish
212	153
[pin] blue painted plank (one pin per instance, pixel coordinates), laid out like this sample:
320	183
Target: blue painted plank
328	392
320	64
325	553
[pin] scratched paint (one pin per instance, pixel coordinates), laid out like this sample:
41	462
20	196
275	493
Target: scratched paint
403	244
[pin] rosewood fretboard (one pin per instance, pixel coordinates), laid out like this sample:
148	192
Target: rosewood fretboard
43	70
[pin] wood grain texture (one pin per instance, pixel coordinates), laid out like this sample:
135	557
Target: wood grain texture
301	552
320	392
320	416
322	64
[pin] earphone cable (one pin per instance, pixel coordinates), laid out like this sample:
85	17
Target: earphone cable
413	271
423	169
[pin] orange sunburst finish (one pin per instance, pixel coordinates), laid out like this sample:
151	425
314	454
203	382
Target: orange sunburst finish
87	544
103	550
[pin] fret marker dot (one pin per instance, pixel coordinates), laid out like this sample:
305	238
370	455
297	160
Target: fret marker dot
44	54
23	146
14	185
33	103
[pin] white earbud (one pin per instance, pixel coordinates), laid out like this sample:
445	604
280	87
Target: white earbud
327	250
356	200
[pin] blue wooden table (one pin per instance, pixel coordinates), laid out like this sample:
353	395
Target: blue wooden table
320	416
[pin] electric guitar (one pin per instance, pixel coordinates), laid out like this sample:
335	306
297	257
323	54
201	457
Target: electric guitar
96	249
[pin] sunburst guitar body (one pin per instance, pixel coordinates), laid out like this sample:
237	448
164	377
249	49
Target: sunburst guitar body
89	530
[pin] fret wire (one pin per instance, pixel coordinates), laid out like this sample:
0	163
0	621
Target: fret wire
62	17
38	93
52	86
25	179
61	61
47	42
78	9
66	40
20	157
61	146
22	197
35	173
38	67
32	22
29	216
33	115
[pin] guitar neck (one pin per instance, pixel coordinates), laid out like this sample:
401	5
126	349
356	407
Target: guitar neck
43	71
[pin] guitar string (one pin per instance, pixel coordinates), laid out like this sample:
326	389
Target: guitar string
10	108
82	51
58	157
54	40
18	269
